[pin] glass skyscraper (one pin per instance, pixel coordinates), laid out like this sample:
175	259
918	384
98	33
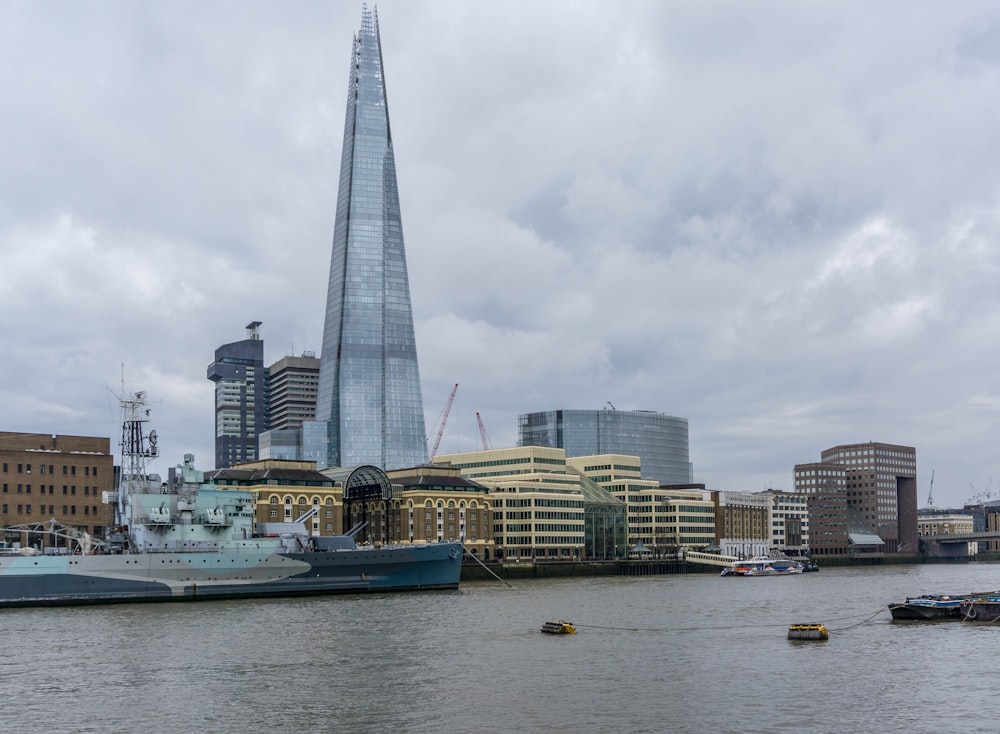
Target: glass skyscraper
659	440
369	408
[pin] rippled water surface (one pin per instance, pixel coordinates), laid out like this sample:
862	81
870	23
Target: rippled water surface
694	653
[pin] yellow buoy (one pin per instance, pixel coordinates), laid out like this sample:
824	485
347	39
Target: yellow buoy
808	632
559	627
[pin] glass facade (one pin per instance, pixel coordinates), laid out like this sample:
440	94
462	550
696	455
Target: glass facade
369	381
659	440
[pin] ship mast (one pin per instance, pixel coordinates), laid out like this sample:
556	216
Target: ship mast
137	448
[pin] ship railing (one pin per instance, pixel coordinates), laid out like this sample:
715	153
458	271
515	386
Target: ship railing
73	540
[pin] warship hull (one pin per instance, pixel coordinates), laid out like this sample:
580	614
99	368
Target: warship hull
41	580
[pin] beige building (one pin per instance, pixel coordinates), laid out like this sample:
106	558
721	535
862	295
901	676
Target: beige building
659	519
789	522
437	503
46	476
688	518
932	525
418	505
743	523
286	490
538	505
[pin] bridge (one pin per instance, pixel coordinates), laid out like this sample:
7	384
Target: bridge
953	546
709	559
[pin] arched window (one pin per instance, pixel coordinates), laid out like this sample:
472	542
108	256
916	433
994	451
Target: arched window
302	500
329	500
288	500
274	499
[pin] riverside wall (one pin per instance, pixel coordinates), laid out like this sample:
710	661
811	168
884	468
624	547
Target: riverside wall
656	567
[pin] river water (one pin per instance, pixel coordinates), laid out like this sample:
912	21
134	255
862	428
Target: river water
691	653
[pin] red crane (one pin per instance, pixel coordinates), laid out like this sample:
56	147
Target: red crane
443	420
482	432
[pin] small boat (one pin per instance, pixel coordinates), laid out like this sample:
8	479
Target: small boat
982	609
809	566
928	607
559	627
763	566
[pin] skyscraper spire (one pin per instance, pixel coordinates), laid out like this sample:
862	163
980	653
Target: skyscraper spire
369	382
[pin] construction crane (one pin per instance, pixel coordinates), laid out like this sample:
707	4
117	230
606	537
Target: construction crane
930	492
482	432
443	420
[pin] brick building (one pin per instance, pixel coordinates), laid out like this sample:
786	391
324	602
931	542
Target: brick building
48	476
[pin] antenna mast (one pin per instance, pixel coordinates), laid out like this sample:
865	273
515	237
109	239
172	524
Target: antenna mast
136	446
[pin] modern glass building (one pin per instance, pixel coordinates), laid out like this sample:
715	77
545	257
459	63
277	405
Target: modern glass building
240	398
369	383
659	440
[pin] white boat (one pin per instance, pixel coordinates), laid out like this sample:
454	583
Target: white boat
763	566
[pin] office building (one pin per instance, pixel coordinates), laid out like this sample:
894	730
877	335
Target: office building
240	398
742	523
369	408
659	440
789	522
292	383
291	389
538	506
862	499
881	481
619	476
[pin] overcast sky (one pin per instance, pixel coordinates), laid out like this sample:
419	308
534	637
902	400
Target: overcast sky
778	220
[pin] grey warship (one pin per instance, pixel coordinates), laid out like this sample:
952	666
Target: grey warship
185	541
